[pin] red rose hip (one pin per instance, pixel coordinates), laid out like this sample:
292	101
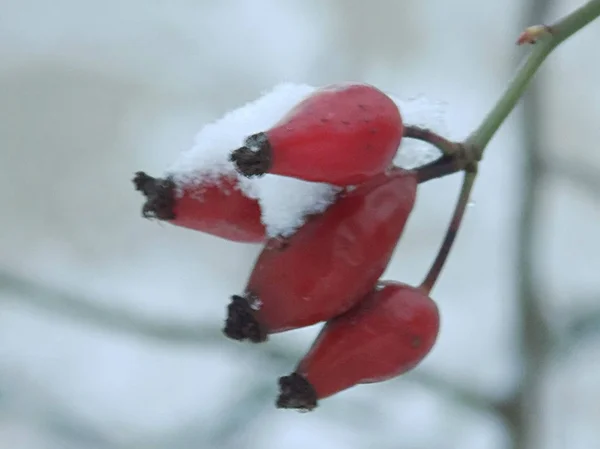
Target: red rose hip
387	334
342	134
216	207
329	264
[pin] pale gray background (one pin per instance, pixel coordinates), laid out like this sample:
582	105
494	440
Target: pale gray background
110	325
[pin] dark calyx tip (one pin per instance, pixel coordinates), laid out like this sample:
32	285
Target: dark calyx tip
295	392
160	196
241	323
254	158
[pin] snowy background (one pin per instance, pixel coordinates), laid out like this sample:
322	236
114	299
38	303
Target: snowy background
110	324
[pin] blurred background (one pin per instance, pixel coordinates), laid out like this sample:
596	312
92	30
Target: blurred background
110	325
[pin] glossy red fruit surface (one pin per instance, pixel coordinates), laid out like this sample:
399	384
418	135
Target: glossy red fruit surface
329	264
342	134
216	207
385	335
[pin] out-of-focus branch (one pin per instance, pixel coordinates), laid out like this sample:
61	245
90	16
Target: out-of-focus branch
580	327
72	431
580	175
94	312
457	393
282	358
520	413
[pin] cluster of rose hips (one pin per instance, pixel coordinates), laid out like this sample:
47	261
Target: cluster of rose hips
329	269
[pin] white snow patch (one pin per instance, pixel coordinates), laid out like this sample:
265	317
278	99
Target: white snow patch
285	202
426	113
215	141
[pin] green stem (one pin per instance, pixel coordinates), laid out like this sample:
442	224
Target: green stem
465	155
559	32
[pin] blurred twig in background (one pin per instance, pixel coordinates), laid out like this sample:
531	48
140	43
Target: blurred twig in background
582	176
522	412
580	327
537	342
96	313
251	405
517	411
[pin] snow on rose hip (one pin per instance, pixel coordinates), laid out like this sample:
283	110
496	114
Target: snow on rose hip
341	134
329	264
387	334
214	206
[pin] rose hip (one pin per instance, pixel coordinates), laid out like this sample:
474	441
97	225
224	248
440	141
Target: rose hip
387	334
216	207
342	134
329	264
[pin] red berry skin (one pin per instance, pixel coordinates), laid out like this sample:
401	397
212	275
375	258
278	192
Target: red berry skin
213	206
335	258
219	208
385	335
342	134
